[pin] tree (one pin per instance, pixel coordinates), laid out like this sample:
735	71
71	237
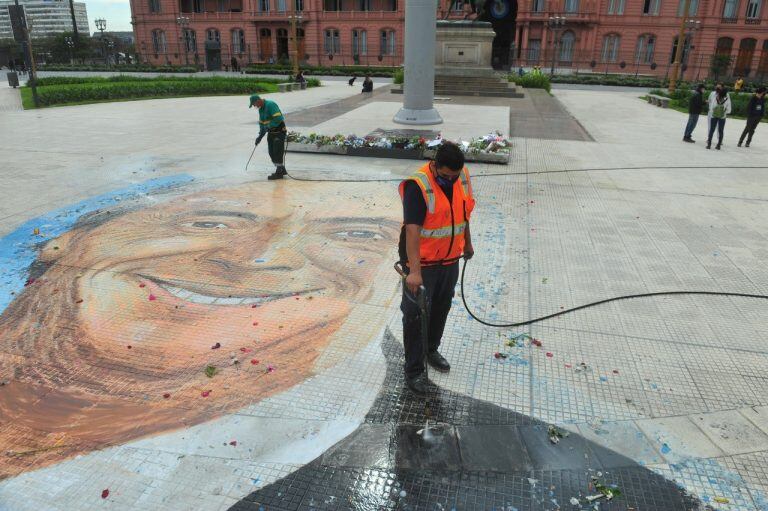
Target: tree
720	64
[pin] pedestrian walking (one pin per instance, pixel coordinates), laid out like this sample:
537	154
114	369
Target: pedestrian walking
738	85
755	112
695	105
272	124
719	108
437	204
351	81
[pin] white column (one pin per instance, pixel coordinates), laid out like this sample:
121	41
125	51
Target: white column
419	86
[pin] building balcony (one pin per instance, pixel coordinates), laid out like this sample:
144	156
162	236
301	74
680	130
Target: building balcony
214	16
729	20
571	17
361	15
282	15
752	21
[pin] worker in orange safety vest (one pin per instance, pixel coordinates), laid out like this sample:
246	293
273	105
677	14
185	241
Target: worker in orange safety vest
437	204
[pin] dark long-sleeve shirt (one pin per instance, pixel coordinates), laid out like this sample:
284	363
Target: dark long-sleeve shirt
696	103
756	107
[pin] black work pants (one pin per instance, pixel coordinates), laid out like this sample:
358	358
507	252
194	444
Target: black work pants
440	283
749	130
276	146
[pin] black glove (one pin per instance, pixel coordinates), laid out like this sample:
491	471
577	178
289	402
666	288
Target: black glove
258	139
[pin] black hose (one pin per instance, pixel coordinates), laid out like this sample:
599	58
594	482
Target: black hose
592	304
536	172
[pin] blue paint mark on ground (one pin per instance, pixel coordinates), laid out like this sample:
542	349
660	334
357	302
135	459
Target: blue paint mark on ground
18	249
665	449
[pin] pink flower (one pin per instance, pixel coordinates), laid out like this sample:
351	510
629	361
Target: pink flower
152	298
270	368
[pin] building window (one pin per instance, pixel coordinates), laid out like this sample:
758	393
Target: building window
566	46
154	6
213	34
197	5
299	5
331	5
264	5
646	43
571	6
363	5
537	5
265	44
331	43
458	6
729	9
534	50
753	9
610	51
158	41
359	42
615	6
693	7
651	7
762	67
743	65
190	41
281	5
387	42
724	46
686	50
238	40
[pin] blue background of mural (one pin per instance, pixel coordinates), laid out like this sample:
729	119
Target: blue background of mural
18	249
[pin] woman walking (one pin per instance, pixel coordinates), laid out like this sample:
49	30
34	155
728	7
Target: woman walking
719	108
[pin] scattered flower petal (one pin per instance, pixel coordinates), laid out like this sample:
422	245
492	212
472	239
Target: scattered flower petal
129	346
216	346
233	443
536	342
166	395
205	393
152	298
104	494
254	361
79	301
549	354
246	350
270	368
142	285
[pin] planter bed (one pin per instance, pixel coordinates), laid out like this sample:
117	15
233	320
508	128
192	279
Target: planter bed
406	154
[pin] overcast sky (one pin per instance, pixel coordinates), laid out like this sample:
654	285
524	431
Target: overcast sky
116	12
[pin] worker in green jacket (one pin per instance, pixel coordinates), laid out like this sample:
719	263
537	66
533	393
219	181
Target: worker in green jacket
272	124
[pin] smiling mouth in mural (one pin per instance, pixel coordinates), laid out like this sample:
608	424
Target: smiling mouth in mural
194	293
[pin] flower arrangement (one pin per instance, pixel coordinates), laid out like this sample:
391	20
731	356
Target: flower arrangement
491	143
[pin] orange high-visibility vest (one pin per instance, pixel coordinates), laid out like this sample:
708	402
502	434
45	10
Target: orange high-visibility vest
442	235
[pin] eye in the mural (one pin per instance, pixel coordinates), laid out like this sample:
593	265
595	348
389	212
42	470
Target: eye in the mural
358	235
209	225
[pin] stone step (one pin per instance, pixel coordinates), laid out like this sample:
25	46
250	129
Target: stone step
485	94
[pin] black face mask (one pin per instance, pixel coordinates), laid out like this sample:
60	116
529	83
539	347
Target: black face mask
445	181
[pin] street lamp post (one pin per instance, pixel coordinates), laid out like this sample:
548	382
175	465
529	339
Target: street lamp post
295	18
556	24
680	45
101	25
183	23
691	26
71	46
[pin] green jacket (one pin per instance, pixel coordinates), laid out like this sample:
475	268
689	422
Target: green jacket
269	116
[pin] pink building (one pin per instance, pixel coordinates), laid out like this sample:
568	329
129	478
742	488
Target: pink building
617	36
640	36
210	33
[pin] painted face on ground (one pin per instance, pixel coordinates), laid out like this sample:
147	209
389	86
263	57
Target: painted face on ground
113	341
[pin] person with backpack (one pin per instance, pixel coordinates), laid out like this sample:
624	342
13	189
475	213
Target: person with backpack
755	112
719	108
695	106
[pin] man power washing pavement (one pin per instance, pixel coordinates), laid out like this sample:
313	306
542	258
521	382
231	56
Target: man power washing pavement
437	204
272	124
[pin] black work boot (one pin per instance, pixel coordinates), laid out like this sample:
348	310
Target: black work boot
419	384
439	362
278	173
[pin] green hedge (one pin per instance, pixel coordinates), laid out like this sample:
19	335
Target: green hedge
399	76
115	91
127	68
631	81
532	81
320	70
69	80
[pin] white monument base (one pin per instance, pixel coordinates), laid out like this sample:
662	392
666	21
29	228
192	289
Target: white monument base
418	117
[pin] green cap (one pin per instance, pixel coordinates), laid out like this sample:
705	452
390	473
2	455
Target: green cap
254	99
